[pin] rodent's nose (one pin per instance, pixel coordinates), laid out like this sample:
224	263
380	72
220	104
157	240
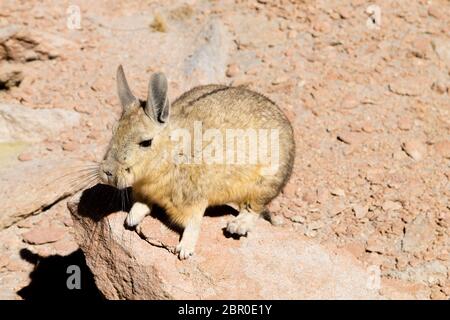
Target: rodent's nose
128	170
108	173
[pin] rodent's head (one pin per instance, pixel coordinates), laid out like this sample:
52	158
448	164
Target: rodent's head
137	140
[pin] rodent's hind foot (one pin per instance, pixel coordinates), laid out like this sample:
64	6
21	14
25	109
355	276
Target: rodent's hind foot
242	224
136	214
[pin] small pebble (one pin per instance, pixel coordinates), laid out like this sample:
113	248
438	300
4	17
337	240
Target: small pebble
359	210
435	11
405	123
415	149
338	192
298	219
350	137
290	190
41	235
25	156
443	148
279	80
391	205
292	34
232	70
69	146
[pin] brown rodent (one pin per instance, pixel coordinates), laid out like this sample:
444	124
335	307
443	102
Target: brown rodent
175	155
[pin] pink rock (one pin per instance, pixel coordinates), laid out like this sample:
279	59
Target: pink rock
23	44
21	123
309	197
336	207
128	266
41	235
407	86
419	234
82	108
439	87
405	123
253	71
298	219
349	101
65	247
292	34
67	220
69	146
338	192
16	266
435	11
391	205
232	70
350	137
367	127
4	261
443	148
359	210
11	75
274	206
375	175
26	156
290	190
94	135
421	47
415	149
323	195
280	80
26	223
356	248
375	243
438	294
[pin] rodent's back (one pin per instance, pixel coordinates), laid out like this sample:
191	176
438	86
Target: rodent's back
219	106
222	107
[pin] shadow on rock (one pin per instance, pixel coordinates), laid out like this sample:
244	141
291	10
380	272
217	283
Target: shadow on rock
218	211
49	279
102	200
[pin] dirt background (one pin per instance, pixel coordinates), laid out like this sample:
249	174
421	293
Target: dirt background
366	88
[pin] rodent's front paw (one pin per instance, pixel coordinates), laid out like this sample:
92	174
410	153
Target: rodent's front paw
136	214
131	221
184	251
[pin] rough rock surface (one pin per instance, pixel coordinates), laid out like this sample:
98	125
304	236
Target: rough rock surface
23	44
209	60
11	75
43	235
22	196
271	263
20	123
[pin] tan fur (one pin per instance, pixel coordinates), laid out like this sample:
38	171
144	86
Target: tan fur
174	187
177	188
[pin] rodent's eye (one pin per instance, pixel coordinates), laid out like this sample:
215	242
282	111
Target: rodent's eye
145	143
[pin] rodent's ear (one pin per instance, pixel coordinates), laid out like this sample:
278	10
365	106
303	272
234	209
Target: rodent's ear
125	95
158	105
